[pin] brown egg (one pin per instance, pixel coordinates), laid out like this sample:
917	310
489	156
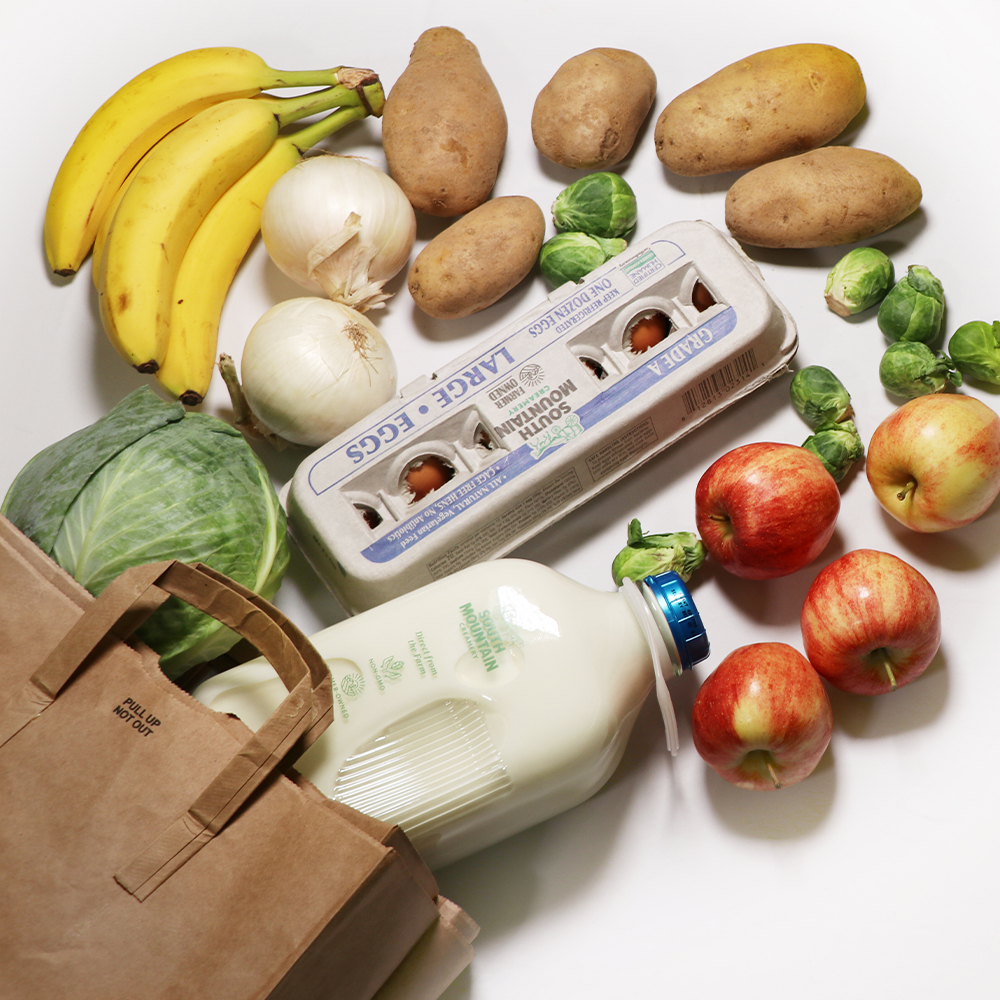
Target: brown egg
647	332
701	297
369	515
426	475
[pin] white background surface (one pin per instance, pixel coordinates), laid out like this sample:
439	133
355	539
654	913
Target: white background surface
875	877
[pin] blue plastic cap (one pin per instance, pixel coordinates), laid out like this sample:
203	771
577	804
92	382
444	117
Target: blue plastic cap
678	608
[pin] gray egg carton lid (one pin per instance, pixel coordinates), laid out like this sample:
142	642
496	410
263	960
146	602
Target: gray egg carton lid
540	416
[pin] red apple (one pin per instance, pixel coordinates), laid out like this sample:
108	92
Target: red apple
765	510
934	463
870	622
762	719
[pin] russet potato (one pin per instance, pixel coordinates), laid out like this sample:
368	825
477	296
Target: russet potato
478	258
589	113
823	198
444	128
775	103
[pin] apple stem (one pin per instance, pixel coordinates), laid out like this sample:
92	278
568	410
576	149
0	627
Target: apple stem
773	773
903	494
883	658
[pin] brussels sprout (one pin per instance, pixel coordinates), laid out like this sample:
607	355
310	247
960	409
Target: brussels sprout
914	308
975	349
858	280
572	256
819	396
837	445
911	368
646	555
599	205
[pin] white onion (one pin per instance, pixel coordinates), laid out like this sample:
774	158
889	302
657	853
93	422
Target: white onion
312	367
340	226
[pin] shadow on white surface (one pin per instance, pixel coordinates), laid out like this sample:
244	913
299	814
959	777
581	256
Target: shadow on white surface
112	377
776	602
971	547
913	706
784	814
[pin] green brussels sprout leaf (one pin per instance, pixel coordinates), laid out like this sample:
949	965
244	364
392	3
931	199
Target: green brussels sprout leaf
975	349
914	308
572	256
837	445
911	368
819	396
859	280
600	204
646	555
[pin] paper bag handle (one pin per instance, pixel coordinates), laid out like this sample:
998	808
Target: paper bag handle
296	722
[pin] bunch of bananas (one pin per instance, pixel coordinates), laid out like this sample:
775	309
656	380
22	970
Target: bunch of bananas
166	183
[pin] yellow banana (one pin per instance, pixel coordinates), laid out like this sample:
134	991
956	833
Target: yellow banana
166	200
132	120
215	253
101	236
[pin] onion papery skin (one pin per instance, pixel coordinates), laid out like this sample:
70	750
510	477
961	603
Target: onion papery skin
339	226
311	368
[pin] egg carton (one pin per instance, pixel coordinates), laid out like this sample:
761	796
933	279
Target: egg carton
470	462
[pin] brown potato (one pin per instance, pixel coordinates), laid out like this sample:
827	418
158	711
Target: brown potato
479	258
589	113
826	197
775	103
444	129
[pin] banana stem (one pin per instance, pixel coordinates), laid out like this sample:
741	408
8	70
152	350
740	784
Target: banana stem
307	136
366	84
367	95
347	75
303	78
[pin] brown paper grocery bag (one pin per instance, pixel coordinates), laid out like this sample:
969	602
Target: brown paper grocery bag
152	848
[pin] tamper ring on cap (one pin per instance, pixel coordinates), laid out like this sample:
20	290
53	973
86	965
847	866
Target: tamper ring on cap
678	607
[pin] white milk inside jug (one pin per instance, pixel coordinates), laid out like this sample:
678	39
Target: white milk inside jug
485	702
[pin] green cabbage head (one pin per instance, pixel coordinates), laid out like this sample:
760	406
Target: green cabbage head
150	481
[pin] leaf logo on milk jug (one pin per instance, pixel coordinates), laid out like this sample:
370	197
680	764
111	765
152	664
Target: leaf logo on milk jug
392	669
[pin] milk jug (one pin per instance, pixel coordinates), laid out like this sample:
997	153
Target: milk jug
487	701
